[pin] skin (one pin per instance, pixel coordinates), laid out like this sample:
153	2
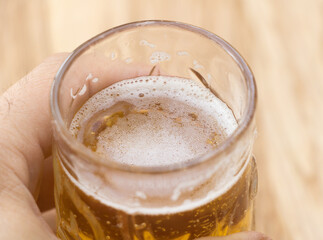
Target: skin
26	173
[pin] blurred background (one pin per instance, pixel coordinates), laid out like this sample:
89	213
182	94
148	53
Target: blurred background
282	40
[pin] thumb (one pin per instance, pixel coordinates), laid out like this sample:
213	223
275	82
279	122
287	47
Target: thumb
240	236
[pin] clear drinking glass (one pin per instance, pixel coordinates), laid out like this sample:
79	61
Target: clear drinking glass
210	195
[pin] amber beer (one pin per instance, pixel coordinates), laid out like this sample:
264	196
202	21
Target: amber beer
152	129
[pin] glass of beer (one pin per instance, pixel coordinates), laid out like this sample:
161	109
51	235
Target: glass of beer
153	134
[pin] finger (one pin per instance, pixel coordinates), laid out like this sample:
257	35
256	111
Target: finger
50	218
240	236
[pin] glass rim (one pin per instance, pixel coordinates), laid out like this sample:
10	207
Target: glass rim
209	156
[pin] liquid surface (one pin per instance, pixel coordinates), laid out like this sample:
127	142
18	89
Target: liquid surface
153	121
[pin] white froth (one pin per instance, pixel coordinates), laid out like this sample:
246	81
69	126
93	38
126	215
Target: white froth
161	137
158	138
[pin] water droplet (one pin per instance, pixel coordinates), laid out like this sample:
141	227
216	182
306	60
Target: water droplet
140	226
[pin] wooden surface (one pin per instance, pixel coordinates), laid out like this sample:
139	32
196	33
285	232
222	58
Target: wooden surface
282	40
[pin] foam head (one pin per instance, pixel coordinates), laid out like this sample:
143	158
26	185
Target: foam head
171	120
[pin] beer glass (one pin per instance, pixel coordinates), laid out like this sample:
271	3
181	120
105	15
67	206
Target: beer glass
211	194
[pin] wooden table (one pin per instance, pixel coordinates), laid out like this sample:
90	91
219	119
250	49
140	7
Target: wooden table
281	39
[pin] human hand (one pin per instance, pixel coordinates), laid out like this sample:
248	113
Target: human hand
26	174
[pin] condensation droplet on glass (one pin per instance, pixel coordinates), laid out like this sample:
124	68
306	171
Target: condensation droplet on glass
140	226
197	65
72	95
119	225
141	195
146	43
83	90
113	56
136	203
128	60
89	76
182	53
157	57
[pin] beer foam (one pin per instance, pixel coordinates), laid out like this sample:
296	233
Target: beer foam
153	140
173	133
162	140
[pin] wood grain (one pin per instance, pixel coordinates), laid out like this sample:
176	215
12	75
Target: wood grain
282	40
